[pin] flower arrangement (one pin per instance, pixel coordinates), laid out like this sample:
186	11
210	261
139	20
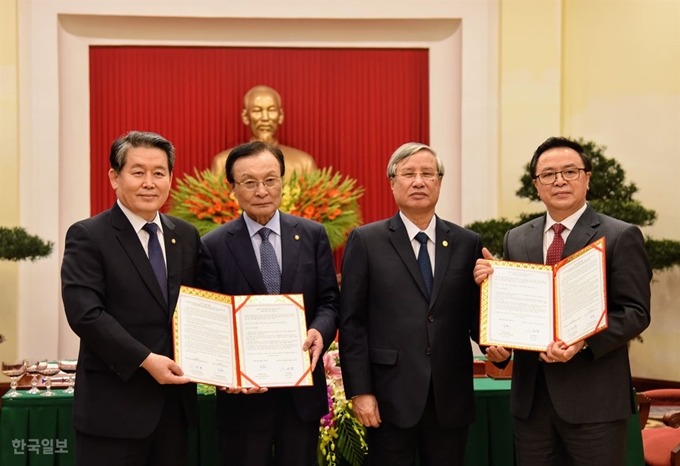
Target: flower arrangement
207	201
342	438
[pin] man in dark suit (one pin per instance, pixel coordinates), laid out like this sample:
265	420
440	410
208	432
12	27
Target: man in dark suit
407	312
571	404
250	421
121	275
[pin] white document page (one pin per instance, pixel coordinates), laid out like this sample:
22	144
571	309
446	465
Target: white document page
580	286
520	311
206	340
271	331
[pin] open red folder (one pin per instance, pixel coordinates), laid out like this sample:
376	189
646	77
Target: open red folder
527	306
241	341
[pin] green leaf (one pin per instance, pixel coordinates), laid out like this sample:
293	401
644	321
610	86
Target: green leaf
16	244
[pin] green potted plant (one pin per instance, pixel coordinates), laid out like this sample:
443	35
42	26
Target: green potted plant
16	245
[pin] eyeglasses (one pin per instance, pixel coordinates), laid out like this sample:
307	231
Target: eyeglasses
426	176
251	185
569	174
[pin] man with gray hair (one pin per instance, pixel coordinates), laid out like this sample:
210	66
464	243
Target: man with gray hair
120	277
407	312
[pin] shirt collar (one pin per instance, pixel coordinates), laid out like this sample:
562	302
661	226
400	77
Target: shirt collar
137	221
569	222
412	230
274	224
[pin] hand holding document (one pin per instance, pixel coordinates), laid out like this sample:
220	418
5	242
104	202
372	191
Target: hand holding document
527	306
241	341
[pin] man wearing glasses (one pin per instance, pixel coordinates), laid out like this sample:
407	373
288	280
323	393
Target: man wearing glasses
571	404
409	305
268	252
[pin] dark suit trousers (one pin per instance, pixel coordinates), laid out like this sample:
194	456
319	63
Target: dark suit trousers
264	421
544	439
166	446
389	445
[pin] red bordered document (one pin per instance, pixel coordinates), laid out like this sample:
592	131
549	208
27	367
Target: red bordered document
241	341
527	306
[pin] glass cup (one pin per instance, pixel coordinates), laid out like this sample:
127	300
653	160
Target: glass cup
14	370
69	367
48	371
34	370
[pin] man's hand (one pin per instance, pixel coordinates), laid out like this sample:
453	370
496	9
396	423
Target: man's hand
313	343
557	351
497	353
243	390
365	409
482	267
164	370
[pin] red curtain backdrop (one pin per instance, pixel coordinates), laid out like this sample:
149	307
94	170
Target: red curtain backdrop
349	108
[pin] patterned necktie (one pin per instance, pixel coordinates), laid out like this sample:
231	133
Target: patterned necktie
271	274
424	262
556	248
156	258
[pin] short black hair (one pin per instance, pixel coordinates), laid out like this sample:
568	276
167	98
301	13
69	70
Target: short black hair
251	148
120	147
552	143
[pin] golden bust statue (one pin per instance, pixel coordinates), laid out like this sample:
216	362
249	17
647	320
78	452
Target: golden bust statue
263	113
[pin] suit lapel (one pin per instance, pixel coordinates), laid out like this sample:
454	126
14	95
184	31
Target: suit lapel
129	240
583	232
173	258
291	239
242	250
402	244
442	256
533	241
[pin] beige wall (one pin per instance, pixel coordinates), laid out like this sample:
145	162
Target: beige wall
610	72
9	170
622	89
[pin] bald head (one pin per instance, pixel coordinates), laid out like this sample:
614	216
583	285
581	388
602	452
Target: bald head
261	90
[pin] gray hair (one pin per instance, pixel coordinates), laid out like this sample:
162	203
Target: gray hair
120	147
407	150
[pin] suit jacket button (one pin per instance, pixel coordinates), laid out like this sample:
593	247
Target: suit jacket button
428	351
430	319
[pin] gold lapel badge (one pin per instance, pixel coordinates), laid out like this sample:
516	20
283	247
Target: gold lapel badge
173	240
445	243
297	237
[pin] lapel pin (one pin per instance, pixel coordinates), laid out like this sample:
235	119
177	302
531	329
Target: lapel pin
173	241
297	237
445	243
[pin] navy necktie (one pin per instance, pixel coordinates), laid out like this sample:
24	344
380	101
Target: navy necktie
271	274
554	254
156	258
424	262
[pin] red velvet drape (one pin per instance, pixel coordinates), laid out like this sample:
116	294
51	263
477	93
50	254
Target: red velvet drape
349	108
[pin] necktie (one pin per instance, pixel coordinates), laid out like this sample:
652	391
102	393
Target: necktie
424	262
156	258
556	248
271	274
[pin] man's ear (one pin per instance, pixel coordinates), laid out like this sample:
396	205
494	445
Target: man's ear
113	178
280	115
244	117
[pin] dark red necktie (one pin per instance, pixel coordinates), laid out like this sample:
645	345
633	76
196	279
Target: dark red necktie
556	248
